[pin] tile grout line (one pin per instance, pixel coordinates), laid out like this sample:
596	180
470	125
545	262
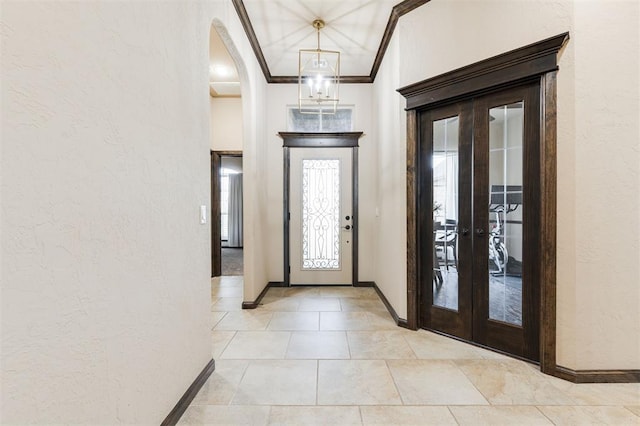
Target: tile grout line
393	379
360	412
544	415
235	333
317	380
455	364
455	419
218	322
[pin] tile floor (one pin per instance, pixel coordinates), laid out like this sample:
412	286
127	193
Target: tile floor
333	355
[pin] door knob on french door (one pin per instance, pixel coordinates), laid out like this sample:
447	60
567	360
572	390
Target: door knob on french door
479	232
464	231
346	227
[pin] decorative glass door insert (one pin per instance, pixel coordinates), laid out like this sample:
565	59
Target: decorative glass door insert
321	214
320	240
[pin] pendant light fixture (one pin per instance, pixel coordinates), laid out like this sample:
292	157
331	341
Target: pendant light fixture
318	78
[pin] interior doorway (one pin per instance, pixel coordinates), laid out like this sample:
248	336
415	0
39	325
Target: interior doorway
227	228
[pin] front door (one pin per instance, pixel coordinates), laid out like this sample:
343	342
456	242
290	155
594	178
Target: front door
321	216
480	223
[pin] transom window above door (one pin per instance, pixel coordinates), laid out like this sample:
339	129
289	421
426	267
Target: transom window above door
341	121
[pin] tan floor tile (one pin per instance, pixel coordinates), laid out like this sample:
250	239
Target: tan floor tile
221	386
356	382
406	415
301	291
634	409
216	317
428	345
318	345
379	345
295	321
513	382
225	415
585	415
280	304
245	320
219	341
231	291
287	382
500	415
319	304
227	304
286	415
380	320
339	291
362	305
257	345
345	321
604	393
433	382
228	280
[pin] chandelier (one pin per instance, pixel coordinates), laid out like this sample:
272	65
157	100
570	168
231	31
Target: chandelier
318	78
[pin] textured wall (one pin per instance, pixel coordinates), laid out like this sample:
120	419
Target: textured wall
105	163
358	95
598	156
391	242
226	124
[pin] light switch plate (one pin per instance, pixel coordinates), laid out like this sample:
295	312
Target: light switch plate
203	215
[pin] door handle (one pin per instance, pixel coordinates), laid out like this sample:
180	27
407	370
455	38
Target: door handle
346	227
479	232
464	231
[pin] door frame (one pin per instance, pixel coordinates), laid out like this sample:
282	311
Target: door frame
216	241
319	140
535	62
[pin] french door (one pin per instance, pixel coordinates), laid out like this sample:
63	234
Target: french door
479	220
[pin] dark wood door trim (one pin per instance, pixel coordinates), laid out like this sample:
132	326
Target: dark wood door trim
216	240
548	211
414	293
535	62
505	69
216	243
319	140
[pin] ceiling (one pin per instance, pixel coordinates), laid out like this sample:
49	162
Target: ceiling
223	75
359	29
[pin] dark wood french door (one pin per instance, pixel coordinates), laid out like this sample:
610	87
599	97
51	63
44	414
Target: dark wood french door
479	220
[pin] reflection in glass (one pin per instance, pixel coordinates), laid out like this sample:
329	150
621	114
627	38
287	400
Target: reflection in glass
506	124
321	214
445	212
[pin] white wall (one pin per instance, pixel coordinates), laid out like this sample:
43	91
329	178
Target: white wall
105	162
598	156
226	124
359	95
391	225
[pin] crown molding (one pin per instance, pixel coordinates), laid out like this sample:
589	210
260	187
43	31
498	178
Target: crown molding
397	11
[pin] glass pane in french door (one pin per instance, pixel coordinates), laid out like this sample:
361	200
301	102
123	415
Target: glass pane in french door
445	212
506	124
